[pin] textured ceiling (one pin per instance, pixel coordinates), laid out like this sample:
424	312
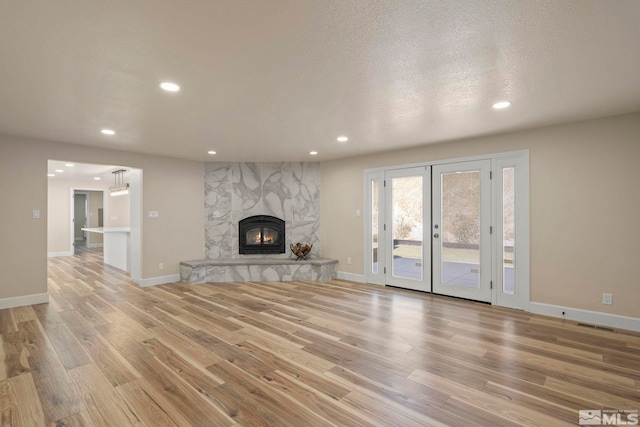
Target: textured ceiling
272	80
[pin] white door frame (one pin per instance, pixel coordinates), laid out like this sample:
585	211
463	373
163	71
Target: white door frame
374	276
521	297
518	159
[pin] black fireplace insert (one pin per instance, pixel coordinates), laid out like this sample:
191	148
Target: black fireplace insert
261	234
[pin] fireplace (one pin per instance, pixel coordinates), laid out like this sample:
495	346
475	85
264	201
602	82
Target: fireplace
261	234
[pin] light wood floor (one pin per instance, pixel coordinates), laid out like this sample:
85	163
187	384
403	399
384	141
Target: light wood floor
104	352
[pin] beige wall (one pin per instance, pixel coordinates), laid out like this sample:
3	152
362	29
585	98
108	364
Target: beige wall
118	211
171	186
585	205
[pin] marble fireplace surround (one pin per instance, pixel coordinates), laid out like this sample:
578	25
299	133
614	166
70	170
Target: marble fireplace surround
234	191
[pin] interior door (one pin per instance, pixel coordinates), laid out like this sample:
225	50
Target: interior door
461	230
406	228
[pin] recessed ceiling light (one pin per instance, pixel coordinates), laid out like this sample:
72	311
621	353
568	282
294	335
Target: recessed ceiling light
108	131
59	170
69	165
97	178
313	153
51	174
500	105
211	152
170	87
342	139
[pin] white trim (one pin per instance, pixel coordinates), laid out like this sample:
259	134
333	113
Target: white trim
59	254
24	300
379	277
135	223
503	155
94	245
161	280
520	299
587	316
360	278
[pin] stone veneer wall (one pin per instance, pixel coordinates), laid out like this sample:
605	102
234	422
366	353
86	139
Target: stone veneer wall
233	191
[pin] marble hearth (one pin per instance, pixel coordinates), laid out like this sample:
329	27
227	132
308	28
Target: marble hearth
257	269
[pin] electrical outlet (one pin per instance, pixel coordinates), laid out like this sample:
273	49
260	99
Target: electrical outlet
154	214
607	299
349	260
36	214
161	266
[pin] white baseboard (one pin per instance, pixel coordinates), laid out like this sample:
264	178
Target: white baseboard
154	281
94	245
24	300
586	316
57	254
351	276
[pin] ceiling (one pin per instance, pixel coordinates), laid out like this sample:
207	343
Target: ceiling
67	171
273	80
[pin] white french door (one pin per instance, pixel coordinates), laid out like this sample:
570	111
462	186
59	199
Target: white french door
457	228
407	246
461	230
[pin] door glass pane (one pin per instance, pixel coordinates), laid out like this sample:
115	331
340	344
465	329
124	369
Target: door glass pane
508	230
407	227
374	226
460	235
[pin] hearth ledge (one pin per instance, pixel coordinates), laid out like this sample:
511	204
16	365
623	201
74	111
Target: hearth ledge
257	270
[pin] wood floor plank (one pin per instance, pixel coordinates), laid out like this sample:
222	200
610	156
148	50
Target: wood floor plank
113	365
106	352
199	378
145	408
23	314
104	405
193	406
15	355
80	419
287	350
57	395
282	407
7	322
19	402
481	402
604	398
196	353
386	412
333	411
319	382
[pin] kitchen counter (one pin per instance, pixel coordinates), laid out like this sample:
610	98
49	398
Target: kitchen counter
115	246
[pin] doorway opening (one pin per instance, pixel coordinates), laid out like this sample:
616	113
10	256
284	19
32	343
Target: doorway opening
88	212
81	208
